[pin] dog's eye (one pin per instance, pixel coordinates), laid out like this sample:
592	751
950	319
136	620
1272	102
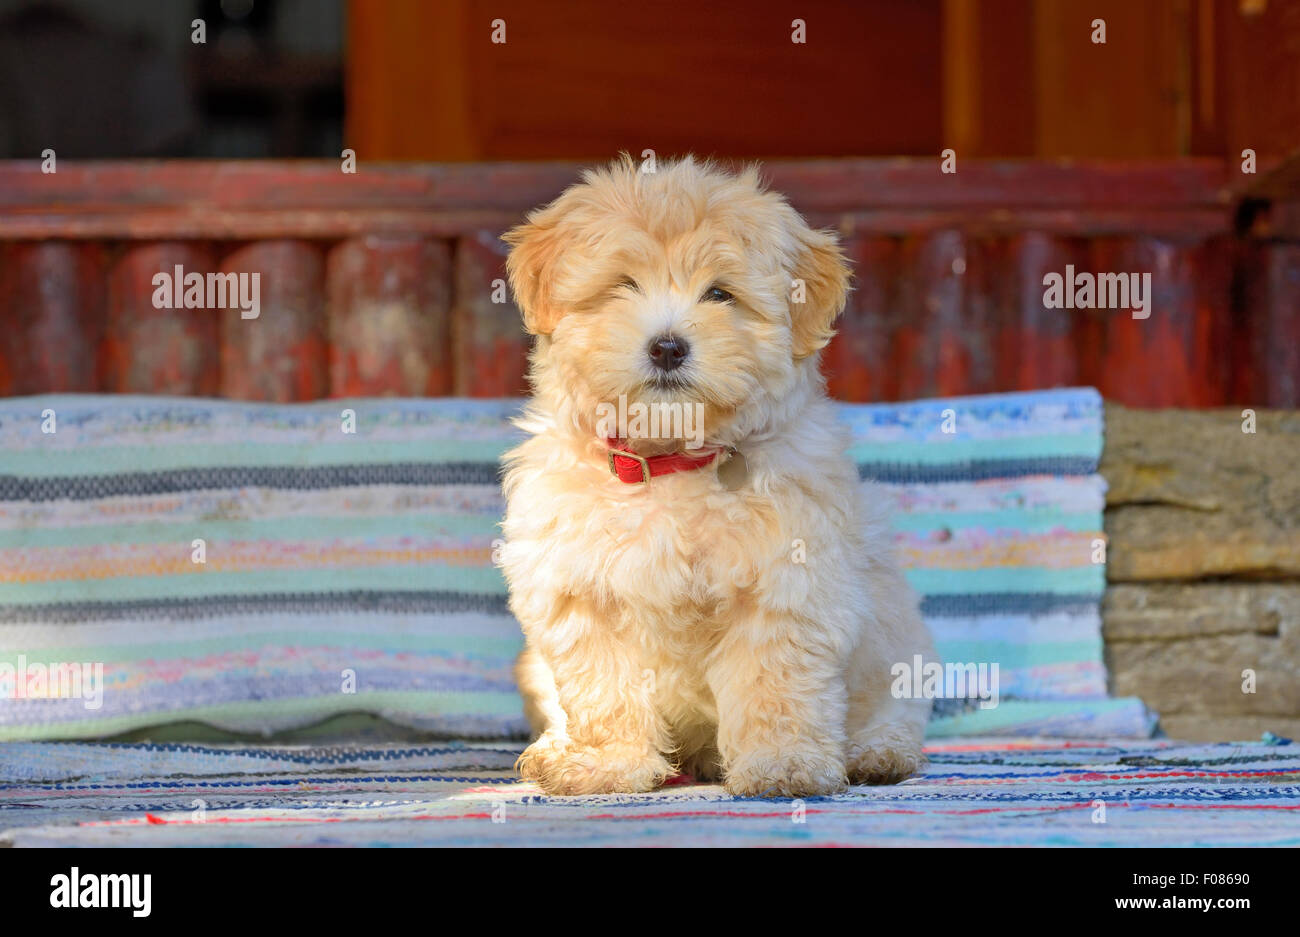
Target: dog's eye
627	283
716	294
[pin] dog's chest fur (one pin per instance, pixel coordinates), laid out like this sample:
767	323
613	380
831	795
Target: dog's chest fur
680	550
680	560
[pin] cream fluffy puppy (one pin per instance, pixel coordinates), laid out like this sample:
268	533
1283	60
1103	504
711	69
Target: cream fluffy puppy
737	624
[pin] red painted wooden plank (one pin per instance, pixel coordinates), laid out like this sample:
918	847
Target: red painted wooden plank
247	200
300	224
282	355
1179	356
985	273
52	298
251	225
858	363
1035	344
1213	265
943	345
812	184
1268	367
388	303
276	185
150	350
917	182
1091	221
491	346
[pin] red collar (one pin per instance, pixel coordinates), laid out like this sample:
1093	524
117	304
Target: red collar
633	469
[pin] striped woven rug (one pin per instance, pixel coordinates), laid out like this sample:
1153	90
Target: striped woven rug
352	572
973	793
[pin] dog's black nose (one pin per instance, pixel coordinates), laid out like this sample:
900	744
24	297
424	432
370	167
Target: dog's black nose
667	352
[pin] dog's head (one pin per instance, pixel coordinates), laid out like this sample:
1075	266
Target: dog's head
686	285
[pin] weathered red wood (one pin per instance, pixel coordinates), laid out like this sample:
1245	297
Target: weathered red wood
282	355
1035	344
388	303
858	363
251	200
986	276
1180	355
149	350
491	346
915	326
147	224
1010	184
1268	365
1095	221
52	302
826	183
943	344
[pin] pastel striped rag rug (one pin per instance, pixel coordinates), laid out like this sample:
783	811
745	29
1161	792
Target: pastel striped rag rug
260	568
989	792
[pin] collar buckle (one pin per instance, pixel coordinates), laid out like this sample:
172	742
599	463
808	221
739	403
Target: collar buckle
640	460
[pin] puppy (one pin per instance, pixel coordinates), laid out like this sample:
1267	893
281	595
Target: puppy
725	605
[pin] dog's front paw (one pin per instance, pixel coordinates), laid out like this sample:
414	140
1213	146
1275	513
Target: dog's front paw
884	756
538	758
567	769
790	773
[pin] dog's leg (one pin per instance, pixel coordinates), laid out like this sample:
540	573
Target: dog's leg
781	709
541	700
544	713
605	736
885	733
542	709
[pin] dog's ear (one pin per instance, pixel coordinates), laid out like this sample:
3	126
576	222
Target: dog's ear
535	249
819	290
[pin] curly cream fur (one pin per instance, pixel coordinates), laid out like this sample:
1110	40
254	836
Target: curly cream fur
746	634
